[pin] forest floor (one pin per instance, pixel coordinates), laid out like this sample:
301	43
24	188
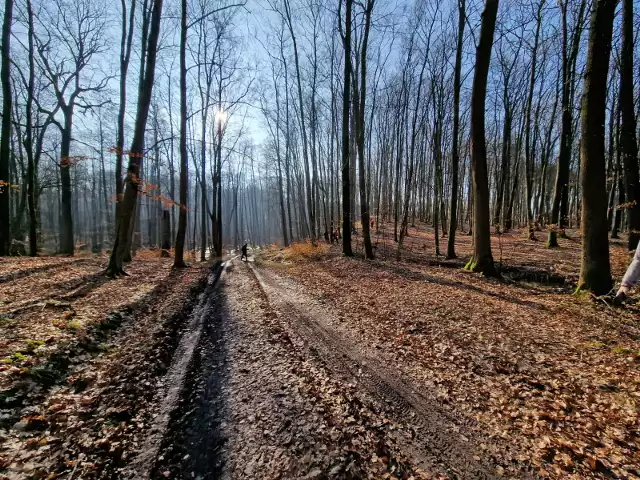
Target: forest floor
554	376
80	357
302	363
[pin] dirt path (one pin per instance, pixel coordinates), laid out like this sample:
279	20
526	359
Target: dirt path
441	439
275	390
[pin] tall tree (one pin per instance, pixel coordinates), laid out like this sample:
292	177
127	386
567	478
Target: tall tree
628	126
529	145
561	190
75	34
303	132
346	102
360	115
5	141
126	41
28	140
482	260
132	181
595	271
455	154
178	261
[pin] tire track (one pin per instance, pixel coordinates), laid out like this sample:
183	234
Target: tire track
440	440
143	465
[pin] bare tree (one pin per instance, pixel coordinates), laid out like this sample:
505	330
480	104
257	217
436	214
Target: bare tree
145	89
126	41
359	113
628	127
455	154
346	102
178	261
561	191
74	34
529	144
5	141
595	271
482	260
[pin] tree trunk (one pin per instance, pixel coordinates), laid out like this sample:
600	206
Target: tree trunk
66	163
32	174
595	272
561	190
628	133
359	107
529	146
178	261
5	141
303	132
166	233
136	153
455	158
617	220
346	102
482	260
506	158
125	54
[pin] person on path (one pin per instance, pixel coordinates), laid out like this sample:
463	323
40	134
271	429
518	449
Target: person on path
630	277
244	253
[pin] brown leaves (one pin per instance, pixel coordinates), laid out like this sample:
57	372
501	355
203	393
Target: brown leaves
65	428
528	361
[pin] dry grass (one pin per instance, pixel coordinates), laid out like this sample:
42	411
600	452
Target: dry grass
297	251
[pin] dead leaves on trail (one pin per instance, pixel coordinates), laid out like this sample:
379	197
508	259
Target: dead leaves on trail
556	376
77	374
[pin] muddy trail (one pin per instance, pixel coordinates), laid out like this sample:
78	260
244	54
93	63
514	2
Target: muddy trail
276	386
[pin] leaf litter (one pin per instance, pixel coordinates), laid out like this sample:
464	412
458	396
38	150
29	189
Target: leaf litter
553	374
88	361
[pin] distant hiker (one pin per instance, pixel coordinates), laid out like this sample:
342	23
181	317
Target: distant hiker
630	277
372	222
244	252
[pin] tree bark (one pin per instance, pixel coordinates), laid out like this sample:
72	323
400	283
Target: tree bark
66	163
5	141
628	132
346	102
136	153
595	272
178	261
455	155
482	260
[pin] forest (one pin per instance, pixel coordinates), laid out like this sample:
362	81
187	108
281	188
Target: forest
185	182
242	123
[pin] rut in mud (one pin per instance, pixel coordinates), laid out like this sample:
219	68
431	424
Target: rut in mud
274	389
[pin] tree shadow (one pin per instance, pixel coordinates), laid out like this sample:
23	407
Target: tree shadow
424	277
